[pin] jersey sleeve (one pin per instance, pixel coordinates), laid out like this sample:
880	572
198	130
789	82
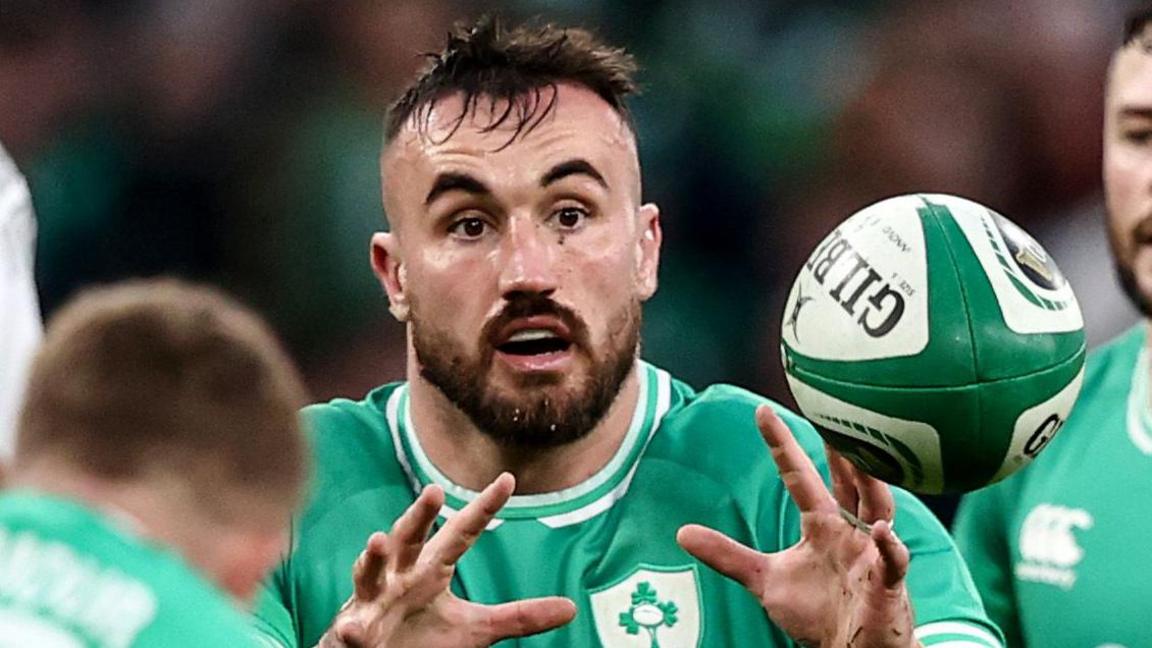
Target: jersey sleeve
980	530
272	619
944	598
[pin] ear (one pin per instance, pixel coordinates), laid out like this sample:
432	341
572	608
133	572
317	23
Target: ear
389	270
648	250
246	558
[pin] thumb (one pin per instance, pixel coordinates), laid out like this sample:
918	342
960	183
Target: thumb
526	617
736	561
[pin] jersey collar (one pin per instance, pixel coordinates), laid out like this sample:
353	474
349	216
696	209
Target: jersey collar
560	508
1139	408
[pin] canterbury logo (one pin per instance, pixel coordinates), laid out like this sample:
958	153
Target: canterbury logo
1048	545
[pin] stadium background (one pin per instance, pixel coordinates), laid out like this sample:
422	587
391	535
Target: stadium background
235	141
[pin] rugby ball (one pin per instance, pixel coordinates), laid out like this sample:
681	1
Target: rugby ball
933	343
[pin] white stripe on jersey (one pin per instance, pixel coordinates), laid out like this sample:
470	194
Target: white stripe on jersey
978	637
663	402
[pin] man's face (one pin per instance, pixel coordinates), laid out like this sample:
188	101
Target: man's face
1128	170
520	266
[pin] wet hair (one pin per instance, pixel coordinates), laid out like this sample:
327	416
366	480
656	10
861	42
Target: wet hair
517	68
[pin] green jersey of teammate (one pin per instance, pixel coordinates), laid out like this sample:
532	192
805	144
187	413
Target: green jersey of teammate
609	543
1056	552
72	578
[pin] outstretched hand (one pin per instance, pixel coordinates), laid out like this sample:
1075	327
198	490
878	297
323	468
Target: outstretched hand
843	583
402	579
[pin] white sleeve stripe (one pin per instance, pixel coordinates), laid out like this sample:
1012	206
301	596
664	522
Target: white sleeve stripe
269	641
957	628
963	643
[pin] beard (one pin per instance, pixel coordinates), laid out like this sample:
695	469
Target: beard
1139	235
538	413
1132	290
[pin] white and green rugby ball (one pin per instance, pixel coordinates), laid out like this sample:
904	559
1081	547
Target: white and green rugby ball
934	343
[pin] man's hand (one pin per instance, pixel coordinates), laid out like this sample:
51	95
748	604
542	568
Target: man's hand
401	579
842	585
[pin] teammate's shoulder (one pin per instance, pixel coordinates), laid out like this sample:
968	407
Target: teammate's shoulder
1110	365
191	611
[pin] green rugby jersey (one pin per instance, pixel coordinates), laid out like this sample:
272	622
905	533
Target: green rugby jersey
72	578
608	543
1060	552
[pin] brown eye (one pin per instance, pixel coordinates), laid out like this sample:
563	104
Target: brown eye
469	228
1139	137
570	218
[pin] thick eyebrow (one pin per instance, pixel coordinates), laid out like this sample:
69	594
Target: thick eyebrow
455	181
1136	111
572	167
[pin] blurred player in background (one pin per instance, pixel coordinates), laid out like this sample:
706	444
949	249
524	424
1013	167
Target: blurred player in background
1060	552
158	453
20	331
44	83
519	256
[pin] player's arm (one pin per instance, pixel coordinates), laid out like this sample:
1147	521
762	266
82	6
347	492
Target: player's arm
981	535
401	583
946	604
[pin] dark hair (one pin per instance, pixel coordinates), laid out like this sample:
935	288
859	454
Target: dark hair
164	378
515	66
1136	23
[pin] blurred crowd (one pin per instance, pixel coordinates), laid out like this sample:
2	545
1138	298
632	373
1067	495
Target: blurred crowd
235	141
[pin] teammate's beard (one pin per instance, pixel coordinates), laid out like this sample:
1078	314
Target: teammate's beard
1132	289
536	414
1141	234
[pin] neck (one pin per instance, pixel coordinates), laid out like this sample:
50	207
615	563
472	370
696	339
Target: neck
473	460
148	508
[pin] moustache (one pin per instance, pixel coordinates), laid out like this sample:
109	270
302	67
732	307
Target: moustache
521	305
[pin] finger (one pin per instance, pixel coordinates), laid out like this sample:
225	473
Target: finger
843	482
410	531
796	468
345	633
875	498
526	617
461	531
894	555
367	570
742	564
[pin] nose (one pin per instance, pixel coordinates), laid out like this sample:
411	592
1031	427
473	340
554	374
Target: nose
528	259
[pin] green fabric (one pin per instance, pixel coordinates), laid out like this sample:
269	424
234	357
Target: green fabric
1058	551
608	543
72	578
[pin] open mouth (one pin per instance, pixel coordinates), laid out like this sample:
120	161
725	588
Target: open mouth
533	342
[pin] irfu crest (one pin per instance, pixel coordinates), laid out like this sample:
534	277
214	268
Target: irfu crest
648	612
651	607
